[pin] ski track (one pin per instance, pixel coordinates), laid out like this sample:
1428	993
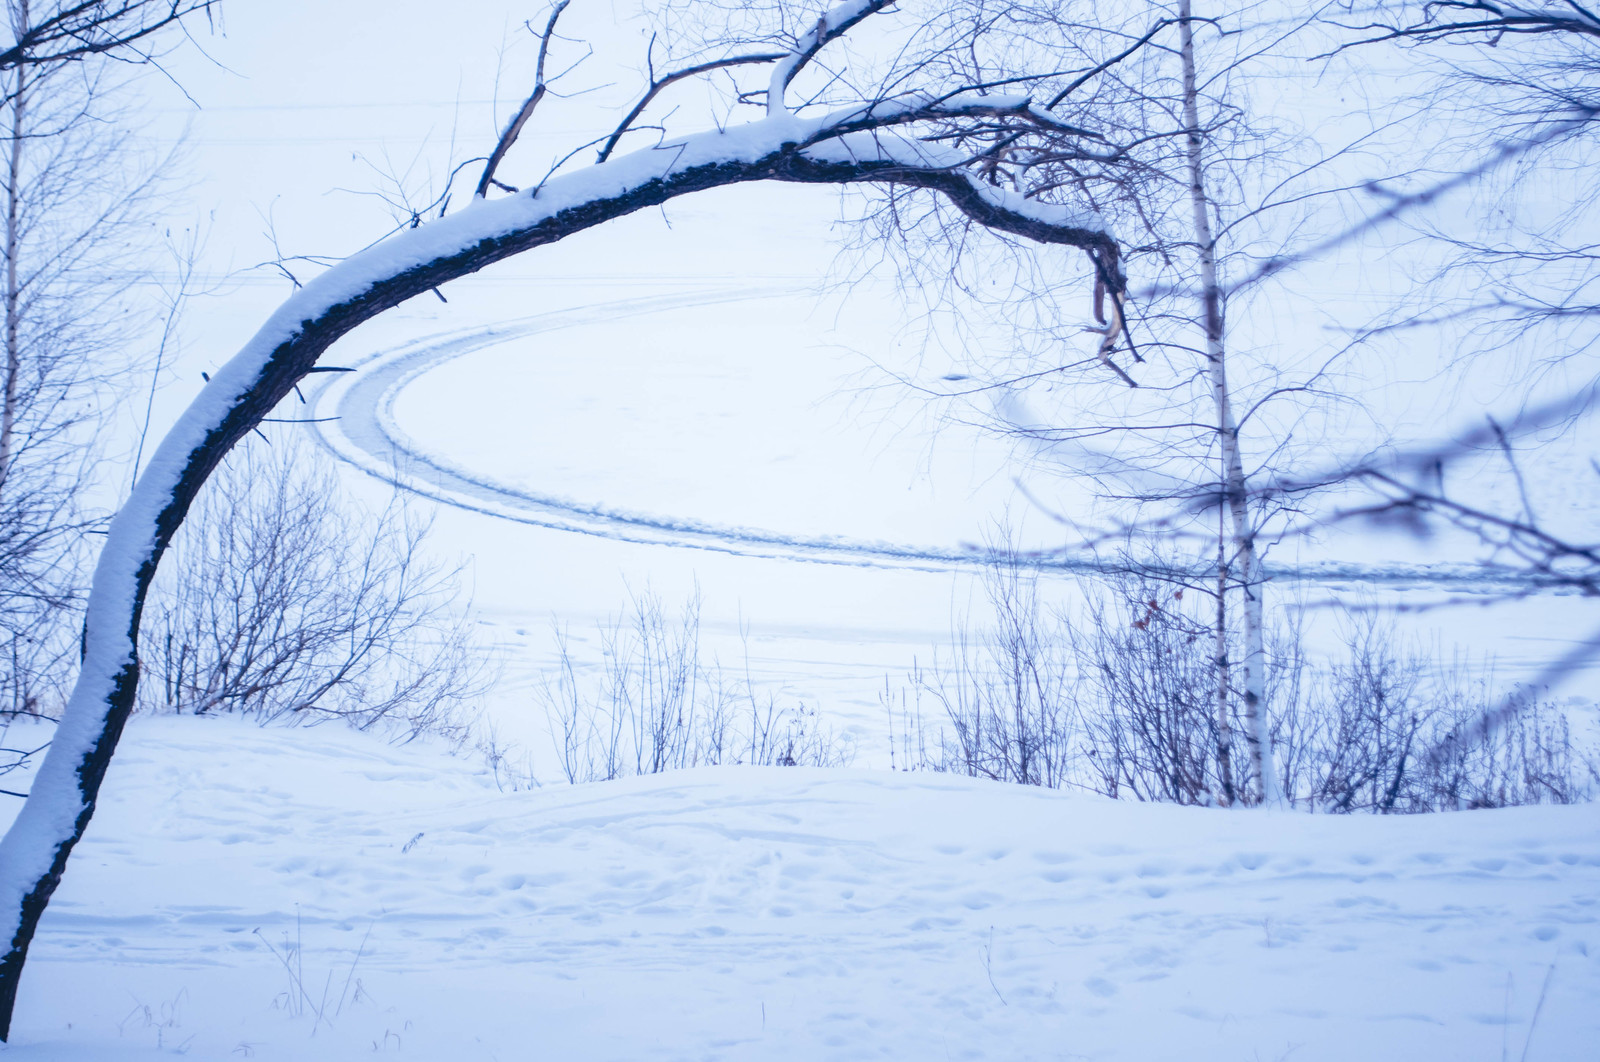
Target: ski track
356	424
791	913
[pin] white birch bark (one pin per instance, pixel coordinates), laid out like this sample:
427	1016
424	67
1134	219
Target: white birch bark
13	292
1230	793
1258	735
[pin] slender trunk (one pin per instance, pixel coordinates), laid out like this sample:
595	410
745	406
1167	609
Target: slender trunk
1258	736
1224	727
13	377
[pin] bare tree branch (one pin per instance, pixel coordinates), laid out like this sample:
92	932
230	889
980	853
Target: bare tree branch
657	84
833	24
77	31
514	127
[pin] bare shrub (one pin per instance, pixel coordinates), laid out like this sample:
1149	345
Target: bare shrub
654	705
1367	737
1120	705
1005	690
1531	759
1150	671
1366	726
281	602
1123	703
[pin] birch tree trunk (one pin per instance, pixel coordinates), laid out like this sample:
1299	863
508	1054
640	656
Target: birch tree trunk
1258	735
13	292
1230	794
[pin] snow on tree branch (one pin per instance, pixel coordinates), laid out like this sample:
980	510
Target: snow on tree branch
833	24
874	140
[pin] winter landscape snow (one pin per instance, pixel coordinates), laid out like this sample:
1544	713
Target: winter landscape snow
320	894
832	500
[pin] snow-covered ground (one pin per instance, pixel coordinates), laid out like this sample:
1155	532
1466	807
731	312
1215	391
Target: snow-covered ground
734	913
784	913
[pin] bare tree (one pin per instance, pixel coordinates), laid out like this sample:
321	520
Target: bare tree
72	197
1511	278
1510	102
1234	488
832	132
58	32
77	192
1145	402
1521	116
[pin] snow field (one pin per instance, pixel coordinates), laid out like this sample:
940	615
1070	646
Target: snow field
740	913
677	418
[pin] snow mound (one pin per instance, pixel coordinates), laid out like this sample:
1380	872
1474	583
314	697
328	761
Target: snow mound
309	894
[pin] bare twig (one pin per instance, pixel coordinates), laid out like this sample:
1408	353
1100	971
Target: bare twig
514	127
657	84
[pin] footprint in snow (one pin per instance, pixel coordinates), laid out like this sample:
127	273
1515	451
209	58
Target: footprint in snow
1101	987
1053	858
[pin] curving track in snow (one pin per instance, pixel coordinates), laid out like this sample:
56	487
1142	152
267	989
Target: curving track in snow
363	432
356	423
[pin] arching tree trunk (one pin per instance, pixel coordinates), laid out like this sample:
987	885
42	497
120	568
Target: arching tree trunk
829	150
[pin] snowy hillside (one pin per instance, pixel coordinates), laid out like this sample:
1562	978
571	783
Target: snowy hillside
741	913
